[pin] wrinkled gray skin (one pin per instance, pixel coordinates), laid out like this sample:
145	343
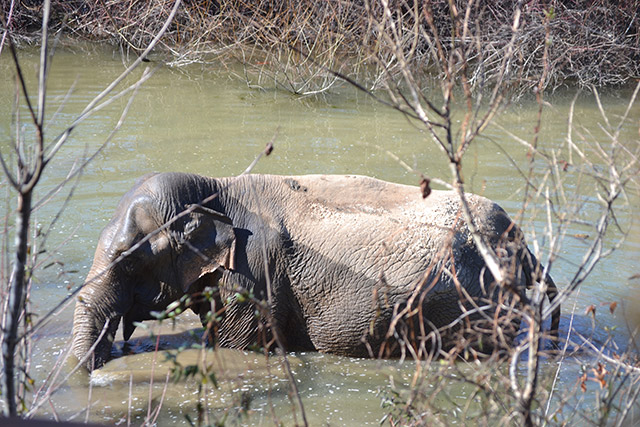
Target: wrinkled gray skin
344	253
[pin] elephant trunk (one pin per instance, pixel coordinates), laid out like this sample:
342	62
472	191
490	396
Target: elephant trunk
99	308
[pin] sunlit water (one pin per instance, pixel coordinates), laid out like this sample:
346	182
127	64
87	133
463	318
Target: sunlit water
207	121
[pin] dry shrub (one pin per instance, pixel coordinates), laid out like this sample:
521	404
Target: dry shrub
595	42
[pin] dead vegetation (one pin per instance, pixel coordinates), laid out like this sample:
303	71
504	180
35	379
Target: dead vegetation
589	43
494	48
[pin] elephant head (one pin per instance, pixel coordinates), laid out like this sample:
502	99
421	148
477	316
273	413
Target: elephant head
148	256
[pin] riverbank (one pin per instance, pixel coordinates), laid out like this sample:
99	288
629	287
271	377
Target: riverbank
589	43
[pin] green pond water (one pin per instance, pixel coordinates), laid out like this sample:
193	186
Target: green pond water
205	119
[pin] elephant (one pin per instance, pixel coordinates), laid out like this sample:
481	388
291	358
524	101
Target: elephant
349	265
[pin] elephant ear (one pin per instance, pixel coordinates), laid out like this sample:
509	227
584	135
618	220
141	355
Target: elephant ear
208	243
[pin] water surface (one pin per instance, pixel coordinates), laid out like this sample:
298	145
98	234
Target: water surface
208	121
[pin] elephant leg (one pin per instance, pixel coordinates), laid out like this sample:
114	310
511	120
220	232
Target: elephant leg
241	326
240	320
293	329
229	317
232	325
206	303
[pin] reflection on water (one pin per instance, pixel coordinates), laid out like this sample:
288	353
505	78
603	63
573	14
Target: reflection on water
208	122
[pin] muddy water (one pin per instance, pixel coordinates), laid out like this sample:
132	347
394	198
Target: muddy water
208	121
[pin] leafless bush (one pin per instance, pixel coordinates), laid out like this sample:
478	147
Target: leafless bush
479	77
593	43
